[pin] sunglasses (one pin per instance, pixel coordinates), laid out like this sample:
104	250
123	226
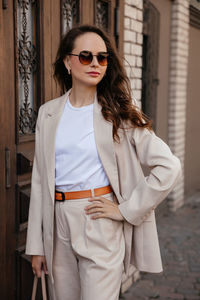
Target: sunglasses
86	57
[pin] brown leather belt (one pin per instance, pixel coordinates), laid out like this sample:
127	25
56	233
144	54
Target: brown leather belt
62	196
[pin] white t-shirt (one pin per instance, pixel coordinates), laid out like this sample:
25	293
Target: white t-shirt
78	166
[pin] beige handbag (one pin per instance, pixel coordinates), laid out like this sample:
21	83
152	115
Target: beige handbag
35	282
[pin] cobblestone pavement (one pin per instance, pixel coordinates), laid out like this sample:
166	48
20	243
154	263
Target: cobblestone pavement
179	235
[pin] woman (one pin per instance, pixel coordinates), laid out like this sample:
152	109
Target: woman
92	209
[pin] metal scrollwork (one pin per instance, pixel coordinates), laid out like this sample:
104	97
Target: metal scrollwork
102	14
25	3
70	10
27	65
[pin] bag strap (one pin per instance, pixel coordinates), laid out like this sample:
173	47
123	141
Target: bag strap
35	282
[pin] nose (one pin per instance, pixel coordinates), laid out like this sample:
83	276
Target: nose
95	61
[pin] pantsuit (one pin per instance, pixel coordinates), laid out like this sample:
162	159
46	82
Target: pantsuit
137	196
88	254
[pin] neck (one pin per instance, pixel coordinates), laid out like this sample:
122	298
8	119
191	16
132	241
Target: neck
81	96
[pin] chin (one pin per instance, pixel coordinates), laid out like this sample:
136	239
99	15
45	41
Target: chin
92	82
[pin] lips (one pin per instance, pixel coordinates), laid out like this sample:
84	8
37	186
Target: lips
94	73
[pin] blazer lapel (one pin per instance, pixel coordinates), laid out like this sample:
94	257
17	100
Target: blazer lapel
105	146
53	116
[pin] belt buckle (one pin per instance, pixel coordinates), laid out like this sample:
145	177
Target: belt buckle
63	196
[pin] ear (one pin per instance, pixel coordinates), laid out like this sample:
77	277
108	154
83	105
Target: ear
66	62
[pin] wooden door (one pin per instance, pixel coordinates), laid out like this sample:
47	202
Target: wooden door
30	31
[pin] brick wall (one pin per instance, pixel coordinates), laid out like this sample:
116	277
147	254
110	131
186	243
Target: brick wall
133	39
178	90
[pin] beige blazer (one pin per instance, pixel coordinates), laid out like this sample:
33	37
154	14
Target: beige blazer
138	196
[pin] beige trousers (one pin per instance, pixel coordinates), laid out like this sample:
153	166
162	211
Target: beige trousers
88	254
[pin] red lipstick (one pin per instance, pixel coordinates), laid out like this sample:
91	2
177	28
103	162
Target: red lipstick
93	73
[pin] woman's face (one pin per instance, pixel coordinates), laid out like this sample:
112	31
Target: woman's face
81	74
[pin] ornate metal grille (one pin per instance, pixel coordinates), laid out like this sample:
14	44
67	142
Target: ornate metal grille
102	9
27	65
70	14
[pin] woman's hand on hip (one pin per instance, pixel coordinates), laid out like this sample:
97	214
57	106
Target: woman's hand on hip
39	264
103	208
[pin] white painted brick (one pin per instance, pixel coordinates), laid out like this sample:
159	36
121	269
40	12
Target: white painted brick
179	52
139	38
132	76
180	9
139	15
127	23
130	59
179	31
136	26
138	84
175	123
178	72
127	48
138	3
177	93
179	44
137	72
137	94
128	71
138	61
176	131
130	11
178	23
180	16
178	100
180	59
129	36
178	90
133	84
177	138
136	49
186	4
178	65
129	2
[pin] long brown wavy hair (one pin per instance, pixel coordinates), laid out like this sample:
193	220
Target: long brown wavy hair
113	91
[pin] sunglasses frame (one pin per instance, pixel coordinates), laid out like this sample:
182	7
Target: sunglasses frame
92	56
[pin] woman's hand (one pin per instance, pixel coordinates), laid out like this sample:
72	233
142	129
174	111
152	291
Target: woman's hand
103	208
39	264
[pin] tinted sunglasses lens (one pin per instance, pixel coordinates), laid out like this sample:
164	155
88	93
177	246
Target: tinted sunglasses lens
85	58
103	59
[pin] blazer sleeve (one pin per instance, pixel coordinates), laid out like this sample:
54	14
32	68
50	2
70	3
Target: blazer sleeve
165	170
34	242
